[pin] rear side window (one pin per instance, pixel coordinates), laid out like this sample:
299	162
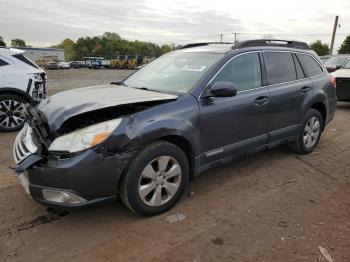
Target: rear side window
299	69
25	60
311	67
3	63
280	67
244	71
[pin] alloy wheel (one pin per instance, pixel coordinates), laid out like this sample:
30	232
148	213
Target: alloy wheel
159	181
311	132
11	114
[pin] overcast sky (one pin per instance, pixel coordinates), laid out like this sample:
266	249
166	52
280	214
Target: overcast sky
45	22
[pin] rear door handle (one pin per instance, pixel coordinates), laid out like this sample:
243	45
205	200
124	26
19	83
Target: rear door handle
305	89
261	100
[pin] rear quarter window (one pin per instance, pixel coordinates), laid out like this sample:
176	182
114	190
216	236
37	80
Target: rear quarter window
3	63
25	60
310	65
280	67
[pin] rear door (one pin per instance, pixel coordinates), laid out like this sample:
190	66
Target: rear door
289	88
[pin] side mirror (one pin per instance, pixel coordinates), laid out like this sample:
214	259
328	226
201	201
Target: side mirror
221	89
338	67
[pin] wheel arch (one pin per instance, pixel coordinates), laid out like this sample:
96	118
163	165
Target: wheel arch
17	92
321	107
185	145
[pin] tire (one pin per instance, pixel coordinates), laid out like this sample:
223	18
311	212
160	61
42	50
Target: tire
310	133
162	170
11	115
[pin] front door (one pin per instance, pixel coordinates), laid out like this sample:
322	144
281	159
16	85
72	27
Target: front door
230	125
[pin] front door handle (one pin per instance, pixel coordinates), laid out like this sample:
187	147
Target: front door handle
261	100
305	89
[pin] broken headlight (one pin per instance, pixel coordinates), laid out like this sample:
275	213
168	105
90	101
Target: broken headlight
84	138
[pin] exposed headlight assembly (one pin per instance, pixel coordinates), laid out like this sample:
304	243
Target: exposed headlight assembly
84	138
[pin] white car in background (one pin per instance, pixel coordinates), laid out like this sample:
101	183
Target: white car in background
63	65
342	78
21	81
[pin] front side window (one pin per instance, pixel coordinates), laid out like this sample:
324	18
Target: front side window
174	72
280	67
312	68
244	71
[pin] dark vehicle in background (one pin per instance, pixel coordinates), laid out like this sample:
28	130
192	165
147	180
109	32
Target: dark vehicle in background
342	77
336	62
75	64
52	66
187	111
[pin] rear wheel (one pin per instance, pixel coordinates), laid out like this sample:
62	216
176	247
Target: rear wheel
11	112
310	133
156	179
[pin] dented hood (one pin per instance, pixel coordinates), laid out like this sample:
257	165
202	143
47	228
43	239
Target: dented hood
56	109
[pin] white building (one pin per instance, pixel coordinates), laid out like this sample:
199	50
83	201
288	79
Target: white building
43	55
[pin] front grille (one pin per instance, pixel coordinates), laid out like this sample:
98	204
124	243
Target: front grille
24	145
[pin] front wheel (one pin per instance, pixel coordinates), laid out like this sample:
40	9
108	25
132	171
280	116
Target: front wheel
310	133
11	113
156	179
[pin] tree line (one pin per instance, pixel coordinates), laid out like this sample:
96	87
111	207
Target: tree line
109	45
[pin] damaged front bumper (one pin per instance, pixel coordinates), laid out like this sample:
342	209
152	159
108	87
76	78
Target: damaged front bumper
68	182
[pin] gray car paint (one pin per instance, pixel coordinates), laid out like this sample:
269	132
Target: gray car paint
210	130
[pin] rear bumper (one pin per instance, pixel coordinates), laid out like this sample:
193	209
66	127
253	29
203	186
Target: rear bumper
343	89
89	175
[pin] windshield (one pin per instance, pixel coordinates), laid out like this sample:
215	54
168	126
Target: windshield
337	60
347	65
173	72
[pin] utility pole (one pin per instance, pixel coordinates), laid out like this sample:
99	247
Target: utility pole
221	35
235	37
333	35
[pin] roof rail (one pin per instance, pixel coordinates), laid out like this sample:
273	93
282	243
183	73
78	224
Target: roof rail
271	42
203	44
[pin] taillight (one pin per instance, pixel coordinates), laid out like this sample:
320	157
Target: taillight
333	81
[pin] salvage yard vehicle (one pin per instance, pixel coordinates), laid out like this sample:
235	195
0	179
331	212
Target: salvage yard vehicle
342	77
75	64
21	81
143	138
52	66
336	62
63	65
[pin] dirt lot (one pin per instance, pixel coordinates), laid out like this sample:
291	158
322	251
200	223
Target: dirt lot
274	206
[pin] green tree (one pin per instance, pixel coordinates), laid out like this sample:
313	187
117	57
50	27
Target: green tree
17	42
345	46
68	46
2	42
320	48
109	45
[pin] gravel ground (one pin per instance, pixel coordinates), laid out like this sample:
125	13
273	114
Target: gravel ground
274	206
